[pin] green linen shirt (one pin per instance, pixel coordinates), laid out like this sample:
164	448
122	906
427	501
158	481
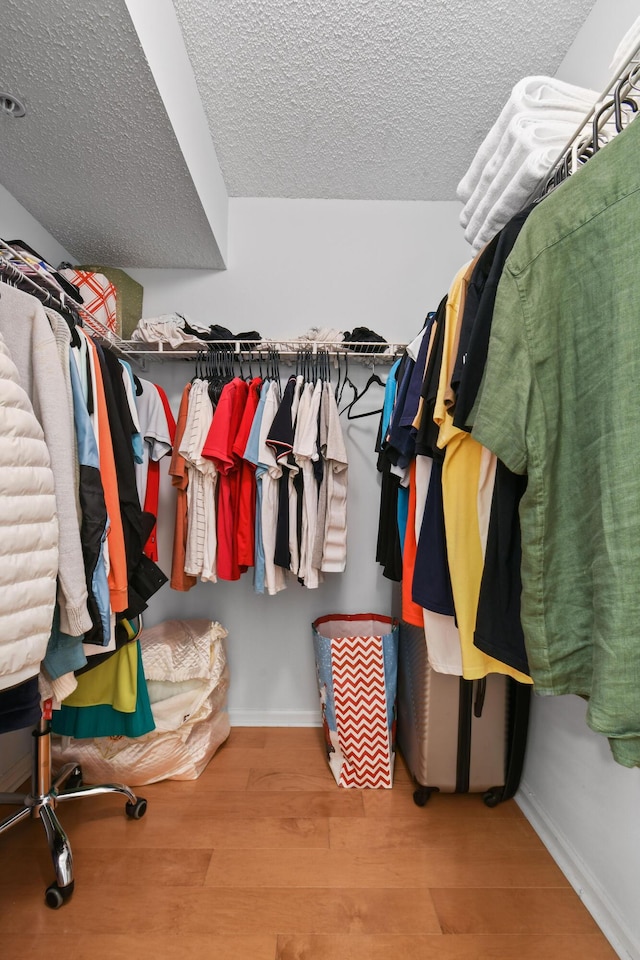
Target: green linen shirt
560	402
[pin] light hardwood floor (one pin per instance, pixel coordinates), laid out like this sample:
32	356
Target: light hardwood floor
265	858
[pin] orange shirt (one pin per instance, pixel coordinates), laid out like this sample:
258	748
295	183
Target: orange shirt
117	576
178	471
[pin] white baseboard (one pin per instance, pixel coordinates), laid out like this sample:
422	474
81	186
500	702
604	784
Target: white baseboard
16	775
274	718
579	876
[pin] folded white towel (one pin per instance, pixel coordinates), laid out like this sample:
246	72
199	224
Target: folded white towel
533	95
530	159
525	134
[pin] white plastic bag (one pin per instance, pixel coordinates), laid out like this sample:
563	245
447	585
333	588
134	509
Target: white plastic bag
185	666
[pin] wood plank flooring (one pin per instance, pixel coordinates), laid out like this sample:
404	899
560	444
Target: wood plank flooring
265	858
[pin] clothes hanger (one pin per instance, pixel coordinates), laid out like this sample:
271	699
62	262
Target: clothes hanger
327	366
374	380
346	382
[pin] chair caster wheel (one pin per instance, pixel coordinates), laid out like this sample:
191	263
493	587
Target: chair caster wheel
55	896
137	810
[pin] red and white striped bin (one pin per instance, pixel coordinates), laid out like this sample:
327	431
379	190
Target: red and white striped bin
357	666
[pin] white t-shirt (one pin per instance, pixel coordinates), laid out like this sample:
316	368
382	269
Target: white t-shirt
154	429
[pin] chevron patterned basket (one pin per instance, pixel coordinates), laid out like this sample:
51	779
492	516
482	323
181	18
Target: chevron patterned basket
356	666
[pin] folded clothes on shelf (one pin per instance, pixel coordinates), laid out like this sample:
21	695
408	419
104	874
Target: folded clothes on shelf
168	328
176	329
363	340
216	333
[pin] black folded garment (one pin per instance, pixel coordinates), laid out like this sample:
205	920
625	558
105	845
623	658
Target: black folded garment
218	334
366	340
200	334
248	335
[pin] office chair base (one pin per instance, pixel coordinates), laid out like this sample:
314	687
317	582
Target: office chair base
41	802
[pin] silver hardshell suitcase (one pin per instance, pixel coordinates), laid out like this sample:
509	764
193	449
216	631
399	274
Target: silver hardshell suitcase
456	735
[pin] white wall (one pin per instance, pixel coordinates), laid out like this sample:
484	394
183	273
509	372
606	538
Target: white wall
589	59
293	265
16	223
583	804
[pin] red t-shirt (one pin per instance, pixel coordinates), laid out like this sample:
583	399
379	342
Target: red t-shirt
218	447
152	493
246	517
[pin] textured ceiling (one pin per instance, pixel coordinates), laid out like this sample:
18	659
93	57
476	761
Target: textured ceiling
370	99
95	159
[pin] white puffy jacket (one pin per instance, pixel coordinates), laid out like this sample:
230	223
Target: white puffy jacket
28	533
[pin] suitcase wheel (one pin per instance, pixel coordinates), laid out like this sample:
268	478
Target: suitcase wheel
492	797
421	795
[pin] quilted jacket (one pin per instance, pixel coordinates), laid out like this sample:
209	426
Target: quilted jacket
28	533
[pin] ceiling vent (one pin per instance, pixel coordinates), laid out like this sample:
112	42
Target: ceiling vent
11	105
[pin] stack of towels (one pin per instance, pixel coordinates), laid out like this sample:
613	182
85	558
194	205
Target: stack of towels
541	115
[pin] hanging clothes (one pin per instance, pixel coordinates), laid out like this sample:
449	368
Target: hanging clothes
32	346
557	404
280	440
115	544
159	435
246	518
306	454
467	487
200	557
270	472
218	447
29	545
336	465
252	457
180	579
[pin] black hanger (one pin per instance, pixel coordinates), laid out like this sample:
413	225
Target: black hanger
336	391
71	323
347	381
198	367
374	380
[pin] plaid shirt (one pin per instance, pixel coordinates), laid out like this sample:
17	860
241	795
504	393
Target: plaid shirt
99	297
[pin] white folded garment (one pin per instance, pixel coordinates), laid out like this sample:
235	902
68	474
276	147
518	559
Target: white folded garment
535	131
534	95
529	147
317	335
545	136
167	328
508	193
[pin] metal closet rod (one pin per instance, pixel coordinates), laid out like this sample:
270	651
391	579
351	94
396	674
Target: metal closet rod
586	140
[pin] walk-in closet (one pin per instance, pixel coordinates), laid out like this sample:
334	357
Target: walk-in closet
370	370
